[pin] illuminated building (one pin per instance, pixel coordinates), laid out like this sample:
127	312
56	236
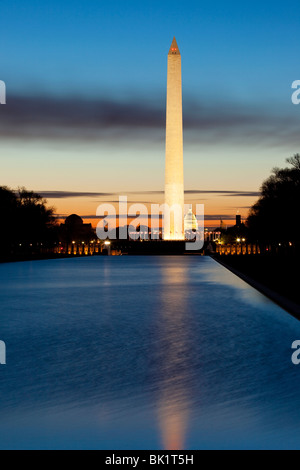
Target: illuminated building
190	222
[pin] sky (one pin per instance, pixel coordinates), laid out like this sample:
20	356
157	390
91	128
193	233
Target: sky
86	96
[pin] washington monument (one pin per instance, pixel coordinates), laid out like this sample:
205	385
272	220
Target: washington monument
174	186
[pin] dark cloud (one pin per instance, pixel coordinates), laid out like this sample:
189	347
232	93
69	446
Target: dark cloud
107	119
224	193
207	217
70	194
74	194
219	217
75	118
245	194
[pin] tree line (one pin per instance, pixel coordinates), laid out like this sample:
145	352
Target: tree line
26	219
274	218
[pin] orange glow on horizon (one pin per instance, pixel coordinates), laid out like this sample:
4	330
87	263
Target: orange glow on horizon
218	206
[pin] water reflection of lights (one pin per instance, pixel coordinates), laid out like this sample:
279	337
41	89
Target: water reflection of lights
175	347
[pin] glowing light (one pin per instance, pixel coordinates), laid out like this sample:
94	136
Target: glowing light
107	242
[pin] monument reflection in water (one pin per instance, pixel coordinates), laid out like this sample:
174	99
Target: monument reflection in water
143	353
173	401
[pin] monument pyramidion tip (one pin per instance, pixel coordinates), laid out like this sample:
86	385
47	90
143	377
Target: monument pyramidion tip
174	47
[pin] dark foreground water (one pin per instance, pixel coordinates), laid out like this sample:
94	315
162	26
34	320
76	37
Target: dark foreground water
143	353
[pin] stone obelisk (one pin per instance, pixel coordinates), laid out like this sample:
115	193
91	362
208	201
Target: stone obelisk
174	186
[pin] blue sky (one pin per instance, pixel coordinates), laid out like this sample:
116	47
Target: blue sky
116	46
67	62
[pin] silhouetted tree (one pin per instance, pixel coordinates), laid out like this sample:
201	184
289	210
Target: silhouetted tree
274	218
8	211
35	220
25	219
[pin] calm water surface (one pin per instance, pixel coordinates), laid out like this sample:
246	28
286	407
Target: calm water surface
143	353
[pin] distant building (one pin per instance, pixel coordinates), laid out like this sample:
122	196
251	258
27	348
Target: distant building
222	225
190	222
74	230
212	235
238	233
238	220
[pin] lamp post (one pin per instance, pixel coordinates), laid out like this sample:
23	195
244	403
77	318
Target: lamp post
238	240
243	241
107	244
